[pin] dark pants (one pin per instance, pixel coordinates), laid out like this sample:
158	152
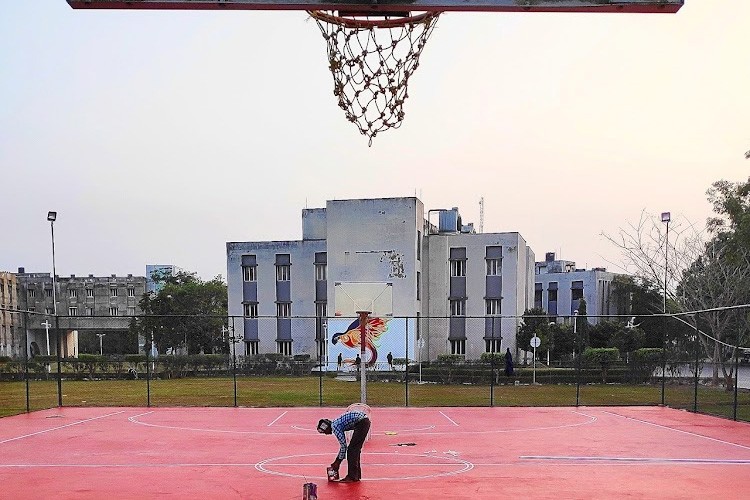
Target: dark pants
354	450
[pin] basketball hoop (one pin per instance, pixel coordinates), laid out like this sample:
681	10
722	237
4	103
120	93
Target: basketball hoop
371	61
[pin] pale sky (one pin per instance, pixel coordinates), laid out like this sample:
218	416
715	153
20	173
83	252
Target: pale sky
158	136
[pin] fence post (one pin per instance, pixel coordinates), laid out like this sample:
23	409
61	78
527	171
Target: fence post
492	363
233	339
26	358
736	376
697	363
59	361
321	351
406	372
664	356
148	370
578	359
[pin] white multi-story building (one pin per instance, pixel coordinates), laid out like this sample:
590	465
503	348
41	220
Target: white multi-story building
560	286
462	292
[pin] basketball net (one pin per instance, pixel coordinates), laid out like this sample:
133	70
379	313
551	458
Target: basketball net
371	61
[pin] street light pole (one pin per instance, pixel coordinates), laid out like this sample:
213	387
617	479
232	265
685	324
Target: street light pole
52	217
101	345
46	326
665	218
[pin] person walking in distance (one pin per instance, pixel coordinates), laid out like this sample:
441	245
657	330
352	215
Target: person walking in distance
508	363
358	422
341	361
390	360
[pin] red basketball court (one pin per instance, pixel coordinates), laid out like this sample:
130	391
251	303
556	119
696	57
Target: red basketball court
412	453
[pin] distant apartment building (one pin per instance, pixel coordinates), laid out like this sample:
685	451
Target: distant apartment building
11	335
560	286
86	306
462	292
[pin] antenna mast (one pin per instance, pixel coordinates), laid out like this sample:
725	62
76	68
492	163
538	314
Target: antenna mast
481	215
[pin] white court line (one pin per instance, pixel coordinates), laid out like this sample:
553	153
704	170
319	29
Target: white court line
277	418
449	419
139	415
679	430
460	464
638	459
403	432
60	427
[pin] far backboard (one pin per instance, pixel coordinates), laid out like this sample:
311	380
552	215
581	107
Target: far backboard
351	298
364	6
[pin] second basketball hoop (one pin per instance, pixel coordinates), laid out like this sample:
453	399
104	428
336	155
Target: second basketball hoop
371	60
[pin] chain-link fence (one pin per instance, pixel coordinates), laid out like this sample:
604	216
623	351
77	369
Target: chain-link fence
424	361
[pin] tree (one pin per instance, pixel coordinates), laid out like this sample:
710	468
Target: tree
186	312
700	274
640	298
535	322
564	341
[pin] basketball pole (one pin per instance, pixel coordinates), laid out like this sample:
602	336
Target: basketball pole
363	315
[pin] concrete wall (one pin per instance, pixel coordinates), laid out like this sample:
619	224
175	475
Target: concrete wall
517	287
376	241
302	290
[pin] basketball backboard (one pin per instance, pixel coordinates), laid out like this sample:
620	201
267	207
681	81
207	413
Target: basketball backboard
351	298
581	6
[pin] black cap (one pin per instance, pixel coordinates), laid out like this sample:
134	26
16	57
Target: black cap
324	426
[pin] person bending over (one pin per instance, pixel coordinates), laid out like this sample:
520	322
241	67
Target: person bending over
358	422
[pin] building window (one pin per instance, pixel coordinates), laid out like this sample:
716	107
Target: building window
72	311
283	310
253	344
73	293
321	272
492	307
89	292
419	245
49	310
577	290
419	285
131	311
492	345
48	293
32	293
250	310
113	311
458	307
89	311
458	268
250	273
283	272
113	292
458	347
131	292
494	267
284	347
32	309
